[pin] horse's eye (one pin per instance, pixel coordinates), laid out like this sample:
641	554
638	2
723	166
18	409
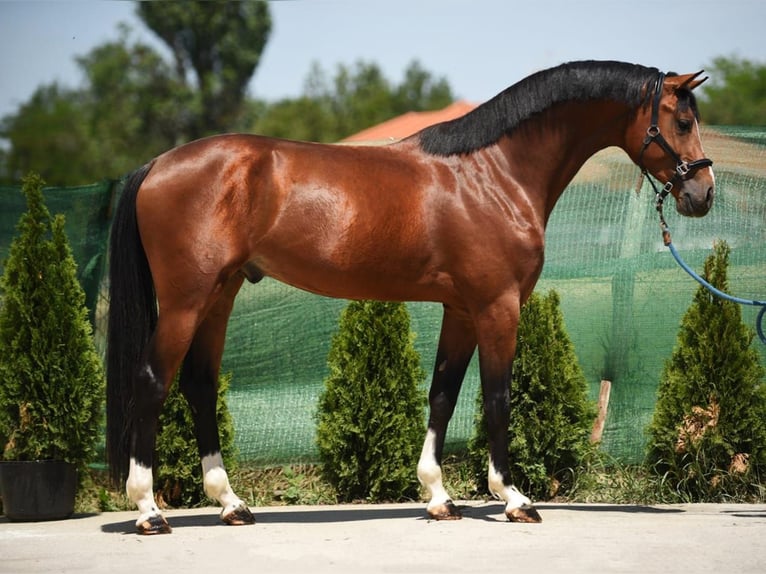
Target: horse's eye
684	126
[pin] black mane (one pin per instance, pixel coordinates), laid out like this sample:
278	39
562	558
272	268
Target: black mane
589	80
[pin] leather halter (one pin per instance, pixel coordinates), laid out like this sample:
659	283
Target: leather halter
684	169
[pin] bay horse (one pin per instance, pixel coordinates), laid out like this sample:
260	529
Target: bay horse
454	214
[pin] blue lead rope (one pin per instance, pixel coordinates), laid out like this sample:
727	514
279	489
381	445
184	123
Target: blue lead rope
717	292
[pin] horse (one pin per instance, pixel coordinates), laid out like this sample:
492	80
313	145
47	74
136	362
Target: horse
454	214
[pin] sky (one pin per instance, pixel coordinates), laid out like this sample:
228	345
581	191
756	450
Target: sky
480	46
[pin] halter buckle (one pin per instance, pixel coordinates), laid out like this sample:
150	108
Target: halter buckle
682	169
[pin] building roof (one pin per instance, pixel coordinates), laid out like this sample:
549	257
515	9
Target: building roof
410	123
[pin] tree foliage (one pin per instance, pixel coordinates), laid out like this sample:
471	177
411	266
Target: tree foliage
222	43
133	104
51	379
370	416
735	93
708	434
48	135
129	109
551	416
356	98
136	106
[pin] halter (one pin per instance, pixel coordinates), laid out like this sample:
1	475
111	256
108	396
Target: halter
653	135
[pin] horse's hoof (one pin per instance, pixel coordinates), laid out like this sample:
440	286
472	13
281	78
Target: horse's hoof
240	516
525	513
446	511
154	525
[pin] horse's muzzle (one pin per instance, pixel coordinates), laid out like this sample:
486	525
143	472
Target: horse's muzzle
695	199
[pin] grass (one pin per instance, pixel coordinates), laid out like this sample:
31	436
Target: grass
601	480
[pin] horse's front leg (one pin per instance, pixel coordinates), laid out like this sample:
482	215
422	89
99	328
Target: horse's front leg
456	347
497	331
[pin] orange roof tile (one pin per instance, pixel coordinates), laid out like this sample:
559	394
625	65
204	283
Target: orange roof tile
410	123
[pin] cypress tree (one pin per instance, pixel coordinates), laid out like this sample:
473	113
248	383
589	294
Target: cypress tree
707	438
551	416
51	378
371	412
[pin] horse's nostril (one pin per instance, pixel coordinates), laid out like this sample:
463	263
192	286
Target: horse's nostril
710	194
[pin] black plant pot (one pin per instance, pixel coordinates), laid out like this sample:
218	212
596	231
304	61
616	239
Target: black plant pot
38	490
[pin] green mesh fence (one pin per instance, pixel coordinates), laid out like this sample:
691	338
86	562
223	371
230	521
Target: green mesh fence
87	210
622	296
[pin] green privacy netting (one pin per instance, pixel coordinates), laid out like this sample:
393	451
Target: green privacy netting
87	210
622	296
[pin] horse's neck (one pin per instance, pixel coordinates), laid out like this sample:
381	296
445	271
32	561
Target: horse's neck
546	152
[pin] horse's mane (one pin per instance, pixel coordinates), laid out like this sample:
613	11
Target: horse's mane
588	80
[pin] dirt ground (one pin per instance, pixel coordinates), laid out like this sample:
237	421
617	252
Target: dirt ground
699	538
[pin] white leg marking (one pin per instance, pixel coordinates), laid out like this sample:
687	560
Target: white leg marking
216	483
509	494
430	473
139	489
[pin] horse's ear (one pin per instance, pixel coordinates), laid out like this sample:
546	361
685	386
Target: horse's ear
686	82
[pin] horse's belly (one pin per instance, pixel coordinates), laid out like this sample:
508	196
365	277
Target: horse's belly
383	281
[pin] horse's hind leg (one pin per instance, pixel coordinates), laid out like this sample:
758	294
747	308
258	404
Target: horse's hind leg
164	354
199	384
457	343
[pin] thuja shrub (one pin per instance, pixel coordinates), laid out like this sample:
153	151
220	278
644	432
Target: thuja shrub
51	378
370	420
179	472
707	438
551	415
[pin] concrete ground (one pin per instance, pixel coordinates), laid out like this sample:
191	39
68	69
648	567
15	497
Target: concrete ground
397	538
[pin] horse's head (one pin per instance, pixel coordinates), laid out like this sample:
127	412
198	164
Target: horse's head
677	160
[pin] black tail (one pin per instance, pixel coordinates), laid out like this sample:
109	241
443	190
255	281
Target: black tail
132	319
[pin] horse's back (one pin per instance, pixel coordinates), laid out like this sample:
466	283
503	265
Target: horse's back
242	160
331	219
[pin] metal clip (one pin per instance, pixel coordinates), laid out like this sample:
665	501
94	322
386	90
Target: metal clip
651	133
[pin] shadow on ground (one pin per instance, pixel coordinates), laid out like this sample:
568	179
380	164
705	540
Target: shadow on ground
488	512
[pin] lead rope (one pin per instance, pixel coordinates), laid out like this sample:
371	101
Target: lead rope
666	239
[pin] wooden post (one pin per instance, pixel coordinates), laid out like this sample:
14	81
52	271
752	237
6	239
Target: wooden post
603	406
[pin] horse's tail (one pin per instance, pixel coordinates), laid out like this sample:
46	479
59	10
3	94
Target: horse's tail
132	319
